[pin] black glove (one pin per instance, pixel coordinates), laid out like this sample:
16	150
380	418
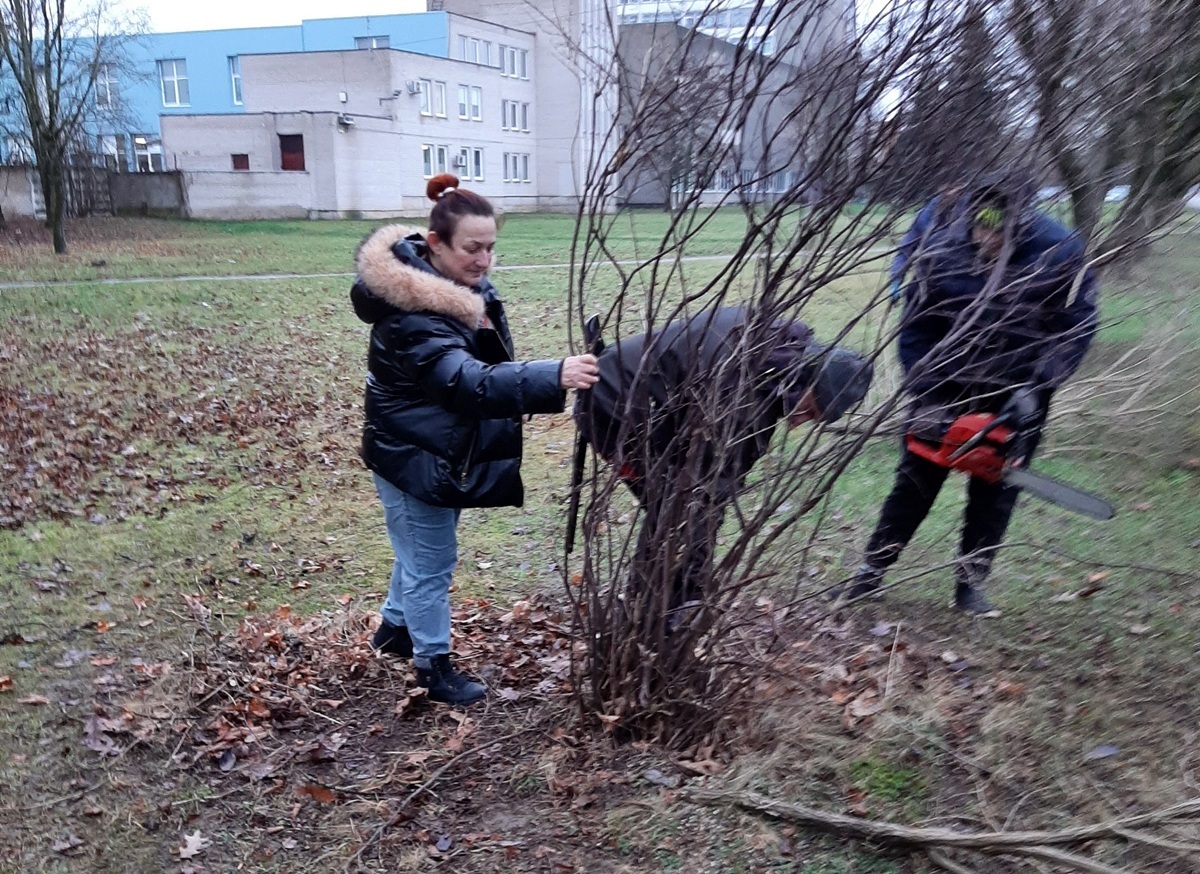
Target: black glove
1023	413
1022	409
929	422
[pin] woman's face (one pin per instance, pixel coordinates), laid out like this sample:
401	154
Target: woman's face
467	257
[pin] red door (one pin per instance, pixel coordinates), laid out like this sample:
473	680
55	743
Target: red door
291	152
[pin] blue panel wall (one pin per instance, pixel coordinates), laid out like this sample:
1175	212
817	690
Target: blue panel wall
207	54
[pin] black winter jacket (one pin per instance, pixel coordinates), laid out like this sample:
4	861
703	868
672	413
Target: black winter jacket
700	371
960	342
444	397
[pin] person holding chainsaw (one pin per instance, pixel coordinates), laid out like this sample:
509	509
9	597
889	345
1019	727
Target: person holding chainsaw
697	397
443	406
999	310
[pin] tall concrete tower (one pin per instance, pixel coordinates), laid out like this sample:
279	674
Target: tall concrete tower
575	79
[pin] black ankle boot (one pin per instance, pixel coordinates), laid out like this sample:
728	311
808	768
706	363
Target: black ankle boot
392	640
970	599
969	577
866	581
446	685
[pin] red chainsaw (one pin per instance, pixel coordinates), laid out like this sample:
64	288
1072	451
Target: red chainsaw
981	444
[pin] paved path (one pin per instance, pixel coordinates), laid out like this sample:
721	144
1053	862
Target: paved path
269	277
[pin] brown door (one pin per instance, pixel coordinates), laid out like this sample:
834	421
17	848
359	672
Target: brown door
291	152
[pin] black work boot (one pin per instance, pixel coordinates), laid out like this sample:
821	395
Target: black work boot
446	685
968	591
392	640
865	582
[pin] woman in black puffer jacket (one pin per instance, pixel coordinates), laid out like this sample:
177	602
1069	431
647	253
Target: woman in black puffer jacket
444	401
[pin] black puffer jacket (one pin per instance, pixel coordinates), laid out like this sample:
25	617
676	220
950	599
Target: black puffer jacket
444	397
700	376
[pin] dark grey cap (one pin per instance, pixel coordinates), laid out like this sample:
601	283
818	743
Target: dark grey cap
841	380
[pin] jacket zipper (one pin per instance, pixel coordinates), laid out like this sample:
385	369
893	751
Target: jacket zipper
466	468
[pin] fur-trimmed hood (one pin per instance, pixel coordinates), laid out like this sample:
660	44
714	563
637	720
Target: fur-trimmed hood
399	276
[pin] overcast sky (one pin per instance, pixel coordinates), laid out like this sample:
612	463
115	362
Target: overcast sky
168	16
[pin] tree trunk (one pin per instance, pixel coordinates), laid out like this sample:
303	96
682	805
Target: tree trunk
54	195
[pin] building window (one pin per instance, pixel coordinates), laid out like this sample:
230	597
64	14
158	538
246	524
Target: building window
105	86
516	167
147	153
291	152
372	42
475	50
172	76
514	62
112	148
463	101
469	163
514	115
439	99
240	162
235	78
426	96
476	103
434	159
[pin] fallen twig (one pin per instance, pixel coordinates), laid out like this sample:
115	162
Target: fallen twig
943	861
1045	845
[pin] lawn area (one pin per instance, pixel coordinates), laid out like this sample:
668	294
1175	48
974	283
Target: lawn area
191	557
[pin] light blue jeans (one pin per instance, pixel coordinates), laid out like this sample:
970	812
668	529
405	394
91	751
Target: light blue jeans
426	546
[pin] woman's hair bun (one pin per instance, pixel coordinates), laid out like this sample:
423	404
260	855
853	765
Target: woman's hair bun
439	184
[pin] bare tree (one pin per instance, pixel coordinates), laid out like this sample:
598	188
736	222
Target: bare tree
667	76
807	113
1105	116
55	54
955	119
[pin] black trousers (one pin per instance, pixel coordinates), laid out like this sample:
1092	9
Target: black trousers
918	481
682	508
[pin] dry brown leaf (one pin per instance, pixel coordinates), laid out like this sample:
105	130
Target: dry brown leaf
6	684
702	768
320	794
193	845
34	700
1006	689
867	704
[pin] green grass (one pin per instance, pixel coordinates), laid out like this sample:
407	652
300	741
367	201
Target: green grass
291	518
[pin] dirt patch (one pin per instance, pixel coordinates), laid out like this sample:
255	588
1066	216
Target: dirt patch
99	444
284	744
26	232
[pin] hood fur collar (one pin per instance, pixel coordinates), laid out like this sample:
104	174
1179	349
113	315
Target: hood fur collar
409	288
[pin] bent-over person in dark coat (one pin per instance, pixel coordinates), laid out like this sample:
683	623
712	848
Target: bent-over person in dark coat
686	411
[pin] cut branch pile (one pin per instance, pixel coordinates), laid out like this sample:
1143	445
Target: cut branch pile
1045	846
